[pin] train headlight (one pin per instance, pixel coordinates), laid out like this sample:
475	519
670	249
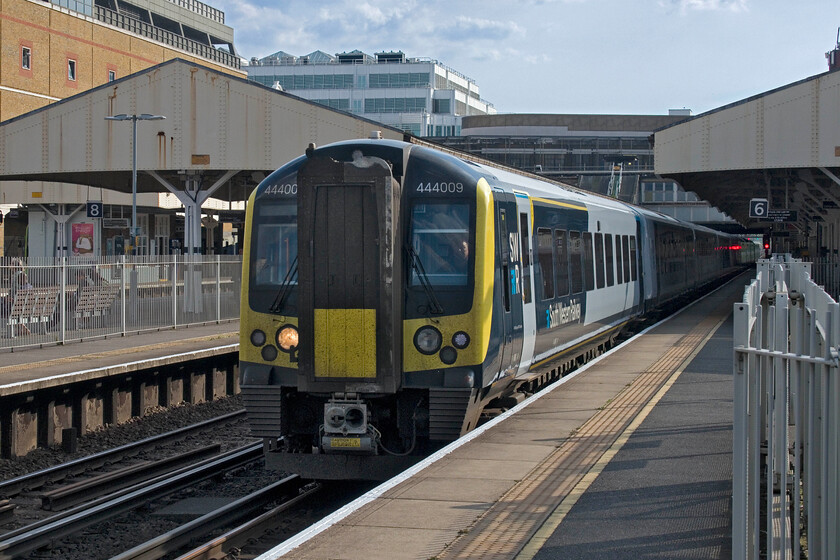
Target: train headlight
258	338
460	340
427	340
287	338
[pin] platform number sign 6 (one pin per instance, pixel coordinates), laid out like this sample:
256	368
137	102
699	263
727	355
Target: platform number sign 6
94	209
758	208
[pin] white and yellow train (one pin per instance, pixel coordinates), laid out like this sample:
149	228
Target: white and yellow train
392	290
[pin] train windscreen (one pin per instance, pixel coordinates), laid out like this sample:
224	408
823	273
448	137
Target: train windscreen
440	239
275	249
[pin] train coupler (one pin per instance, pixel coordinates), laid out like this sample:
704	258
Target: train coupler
346	429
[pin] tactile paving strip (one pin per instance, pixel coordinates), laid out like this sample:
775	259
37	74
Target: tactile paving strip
507	526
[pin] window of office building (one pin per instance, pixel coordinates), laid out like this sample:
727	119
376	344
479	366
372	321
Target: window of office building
339	104
112	75
309	81
26	58
71	69
395	105
399	80
82	6
413	128
445	130
441	106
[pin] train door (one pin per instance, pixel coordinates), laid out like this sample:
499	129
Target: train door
529	318
510	347
350	306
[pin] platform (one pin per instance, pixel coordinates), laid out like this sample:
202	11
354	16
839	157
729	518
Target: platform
46	391
34	368
628	457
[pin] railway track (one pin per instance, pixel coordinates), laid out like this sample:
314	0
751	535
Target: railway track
38	479
290	491
18	542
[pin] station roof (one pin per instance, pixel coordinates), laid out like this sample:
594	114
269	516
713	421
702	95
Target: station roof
782	145
217	126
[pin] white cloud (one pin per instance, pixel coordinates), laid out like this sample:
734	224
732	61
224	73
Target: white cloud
478	29
427	29
707	5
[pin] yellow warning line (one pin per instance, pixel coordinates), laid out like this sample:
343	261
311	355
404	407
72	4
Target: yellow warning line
559	514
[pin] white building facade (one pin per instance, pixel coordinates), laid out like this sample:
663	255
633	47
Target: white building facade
418	95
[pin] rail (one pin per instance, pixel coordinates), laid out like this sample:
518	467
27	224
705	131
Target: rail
787	416
37	479
15	543
289	489
55	301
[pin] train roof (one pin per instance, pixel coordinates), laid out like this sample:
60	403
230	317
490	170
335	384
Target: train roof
534	185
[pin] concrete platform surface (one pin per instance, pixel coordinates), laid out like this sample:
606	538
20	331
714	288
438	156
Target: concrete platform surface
50	366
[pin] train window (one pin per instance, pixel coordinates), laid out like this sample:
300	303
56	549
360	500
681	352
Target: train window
619	277
525	240
545	256
633	265
625	241
575	258
588	262
608	258
599	259
440	239
503	240
275	246
562	263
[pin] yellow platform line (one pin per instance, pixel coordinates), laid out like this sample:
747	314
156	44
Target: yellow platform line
533	546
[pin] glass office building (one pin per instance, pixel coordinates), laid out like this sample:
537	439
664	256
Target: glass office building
419	95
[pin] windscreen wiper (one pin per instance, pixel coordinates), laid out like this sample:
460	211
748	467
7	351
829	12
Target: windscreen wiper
434	305
285	287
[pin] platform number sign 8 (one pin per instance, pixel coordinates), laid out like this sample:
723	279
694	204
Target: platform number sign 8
94	209
758	208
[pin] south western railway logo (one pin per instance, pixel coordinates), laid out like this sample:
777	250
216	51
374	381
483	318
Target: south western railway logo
558	314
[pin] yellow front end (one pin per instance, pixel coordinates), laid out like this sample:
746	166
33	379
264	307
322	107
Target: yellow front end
477	322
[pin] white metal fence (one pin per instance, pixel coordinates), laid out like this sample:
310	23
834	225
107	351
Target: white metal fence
52	301
787	417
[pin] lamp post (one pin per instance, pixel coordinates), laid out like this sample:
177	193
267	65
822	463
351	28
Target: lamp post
133	295
134	119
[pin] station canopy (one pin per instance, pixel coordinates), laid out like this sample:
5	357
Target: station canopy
782	146
218	128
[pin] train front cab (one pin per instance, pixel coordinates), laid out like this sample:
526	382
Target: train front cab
387	353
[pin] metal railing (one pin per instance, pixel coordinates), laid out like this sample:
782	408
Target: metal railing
53	301
787	417
134	25
202	9
825	271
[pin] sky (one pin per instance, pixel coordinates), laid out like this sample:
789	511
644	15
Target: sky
566	56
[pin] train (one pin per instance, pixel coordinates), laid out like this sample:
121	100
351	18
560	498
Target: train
392	291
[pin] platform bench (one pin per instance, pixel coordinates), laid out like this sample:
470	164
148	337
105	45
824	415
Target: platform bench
33	307
94	301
